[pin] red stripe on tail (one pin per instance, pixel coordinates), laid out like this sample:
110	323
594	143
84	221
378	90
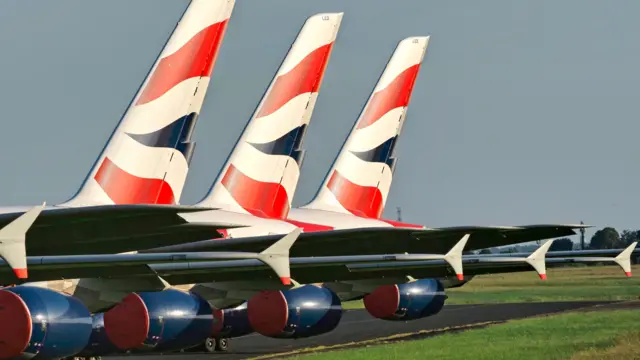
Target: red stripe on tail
305	77
262	199
193	59
396	94
364	201
124	188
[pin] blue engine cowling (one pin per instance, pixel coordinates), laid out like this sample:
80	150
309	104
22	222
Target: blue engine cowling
42	322
99	343
231	323
303	312
165	320
410	301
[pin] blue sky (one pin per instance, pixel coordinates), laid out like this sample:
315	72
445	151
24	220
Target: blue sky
524	112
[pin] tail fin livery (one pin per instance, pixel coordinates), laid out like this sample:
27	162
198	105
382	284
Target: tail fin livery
146	160
360	178
262	172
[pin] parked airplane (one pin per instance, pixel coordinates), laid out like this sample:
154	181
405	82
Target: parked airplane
251	215
251	197
144	162
272	137
368	156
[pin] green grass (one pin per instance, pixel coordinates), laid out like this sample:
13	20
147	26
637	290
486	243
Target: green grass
563	284
576	336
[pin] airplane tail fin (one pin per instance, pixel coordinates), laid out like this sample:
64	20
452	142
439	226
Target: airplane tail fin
360	178
262	172
147	157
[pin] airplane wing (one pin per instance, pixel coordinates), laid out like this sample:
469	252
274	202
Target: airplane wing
392	266
188	268
100	229
44	268
13	248
387	240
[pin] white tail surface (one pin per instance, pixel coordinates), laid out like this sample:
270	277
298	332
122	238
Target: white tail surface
358	183
261	174
146	160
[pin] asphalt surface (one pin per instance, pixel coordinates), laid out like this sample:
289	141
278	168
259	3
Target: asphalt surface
358	328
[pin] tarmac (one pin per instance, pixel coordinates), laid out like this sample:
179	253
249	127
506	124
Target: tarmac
357	328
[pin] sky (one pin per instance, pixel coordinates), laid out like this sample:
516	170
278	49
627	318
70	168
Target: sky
524	112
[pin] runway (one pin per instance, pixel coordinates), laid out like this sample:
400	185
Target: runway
358	328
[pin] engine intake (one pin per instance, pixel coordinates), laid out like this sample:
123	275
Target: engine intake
303	312
409	301
164	320
42	322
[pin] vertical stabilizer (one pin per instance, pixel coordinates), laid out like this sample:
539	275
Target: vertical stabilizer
146	160
358	183
261	174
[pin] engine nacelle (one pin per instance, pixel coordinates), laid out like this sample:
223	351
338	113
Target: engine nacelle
42	322
164	320
231	323
410	301
99	343
303	312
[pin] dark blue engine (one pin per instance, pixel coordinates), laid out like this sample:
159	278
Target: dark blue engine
409	301
42	322
99	343
231	323
161	321
303	312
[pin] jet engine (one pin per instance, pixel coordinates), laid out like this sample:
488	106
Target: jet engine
228	323
231	323
164	320
302	312
409	301
42	322
99	344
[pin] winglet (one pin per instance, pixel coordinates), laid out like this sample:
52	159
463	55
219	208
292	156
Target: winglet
624	258
454	256
277	256
13	247
537	259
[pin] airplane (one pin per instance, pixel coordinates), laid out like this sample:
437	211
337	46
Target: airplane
143	167
364	143
275	131
264	213
232	197
89	223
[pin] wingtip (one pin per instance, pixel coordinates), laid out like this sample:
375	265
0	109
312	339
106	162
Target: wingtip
543	276
627	273
285	280
21	273
460	277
